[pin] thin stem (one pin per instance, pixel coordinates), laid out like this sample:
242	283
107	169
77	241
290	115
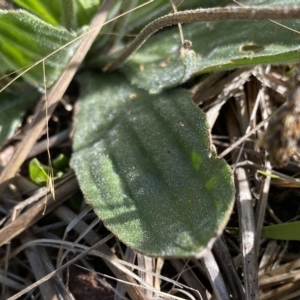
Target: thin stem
68	14
201	15
179	24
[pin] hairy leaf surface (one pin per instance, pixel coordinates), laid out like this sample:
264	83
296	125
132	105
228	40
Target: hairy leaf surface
147	166
26	39
218	46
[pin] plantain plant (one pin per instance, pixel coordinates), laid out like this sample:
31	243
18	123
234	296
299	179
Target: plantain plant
142	150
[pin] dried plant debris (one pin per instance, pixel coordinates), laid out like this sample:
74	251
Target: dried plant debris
282	137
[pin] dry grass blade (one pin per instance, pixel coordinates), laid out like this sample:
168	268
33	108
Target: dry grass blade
215	277
41	147
191	279
146	263
129	257
247	232
92	238
223	257
63	191
54	96
261	208
246	219
40	262
50	275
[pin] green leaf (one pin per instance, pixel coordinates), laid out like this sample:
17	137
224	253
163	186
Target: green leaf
48	10
286	231
13	104
146	165
136	20
85	10
71	14
40	174
218	46
68	9
26	39
60	162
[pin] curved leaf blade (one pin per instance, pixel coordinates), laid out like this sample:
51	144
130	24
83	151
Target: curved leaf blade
85	10
146	165
286	231
26	39
218	46
48	10
62	12
13	104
